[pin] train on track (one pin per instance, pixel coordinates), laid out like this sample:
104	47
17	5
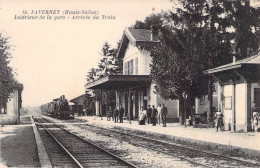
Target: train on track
58	108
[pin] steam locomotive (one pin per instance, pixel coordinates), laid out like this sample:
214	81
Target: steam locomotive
58	108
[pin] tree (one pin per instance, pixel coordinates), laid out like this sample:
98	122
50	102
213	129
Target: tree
153	19
109	64
179	61
195	37
230	22
242	21
7	80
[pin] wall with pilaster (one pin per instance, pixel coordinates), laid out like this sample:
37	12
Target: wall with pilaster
227	92
240	107
12	115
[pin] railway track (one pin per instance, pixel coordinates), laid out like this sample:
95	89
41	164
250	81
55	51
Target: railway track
66	149
192	155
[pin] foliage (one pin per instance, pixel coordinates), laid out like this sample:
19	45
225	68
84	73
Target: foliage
109	64
153	19
197	36
243	19
7	81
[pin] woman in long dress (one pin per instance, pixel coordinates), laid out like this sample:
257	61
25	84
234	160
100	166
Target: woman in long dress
255	118
142	116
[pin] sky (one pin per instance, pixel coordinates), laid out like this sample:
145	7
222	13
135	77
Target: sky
53	56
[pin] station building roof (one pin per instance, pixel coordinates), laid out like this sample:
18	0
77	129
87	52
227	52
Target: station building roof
119	81
247	62
78	99
137	37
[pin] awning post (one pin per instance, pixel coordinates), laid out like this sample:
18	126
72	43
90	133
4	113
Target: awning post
101	111
129	102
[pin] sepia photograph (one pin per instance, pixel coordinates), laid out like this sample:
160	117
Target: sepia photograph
130	83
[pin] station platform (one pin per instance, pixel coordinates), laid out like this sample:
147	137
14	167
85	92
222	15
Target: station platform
18	145
21	145
247	142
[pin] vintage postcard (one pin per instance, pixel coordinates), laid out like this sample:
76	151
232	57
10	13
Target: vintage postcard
129	83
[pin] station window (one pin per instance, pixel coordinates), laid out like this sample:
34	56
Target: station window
129	67
126	68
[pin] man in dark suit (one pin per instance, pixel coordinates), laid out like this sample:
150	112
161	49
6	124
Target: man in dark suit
153	115
164	114
121	113
149	113
116	115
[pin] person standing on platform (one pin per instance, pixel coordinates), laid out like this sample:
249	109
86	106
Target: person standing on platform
255	118
153	115
255	122
164	114
219	119
142	116
159	109
109	113
149	113
121	113
116	115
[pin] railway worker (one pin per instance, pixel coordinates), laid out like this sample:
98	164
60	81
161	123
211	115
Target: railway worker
109	113
219	119
142	116
121	113
149	113
164	114
159	109
116	115
153	115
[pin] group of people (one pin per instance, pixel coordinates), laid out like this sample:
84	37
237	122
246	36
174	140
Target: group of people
153	115
159	114
115	114
254	119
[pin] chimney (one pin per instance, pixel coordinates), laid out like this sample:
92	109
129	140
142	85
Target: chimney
154	33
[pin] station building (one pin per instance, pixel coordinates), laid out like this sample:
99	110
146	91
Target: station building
10	112
134	87
238	88
78	106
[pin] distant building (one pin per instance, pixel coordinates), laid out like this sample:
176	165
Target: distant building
134	87
239	87
10	114
81	106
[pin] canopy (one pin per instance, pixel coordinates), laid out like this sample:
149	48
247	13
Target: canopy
119	81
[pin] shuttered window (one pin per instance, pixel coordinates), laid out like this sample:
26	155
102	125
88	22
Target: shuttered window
125	68
131	67
136	65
